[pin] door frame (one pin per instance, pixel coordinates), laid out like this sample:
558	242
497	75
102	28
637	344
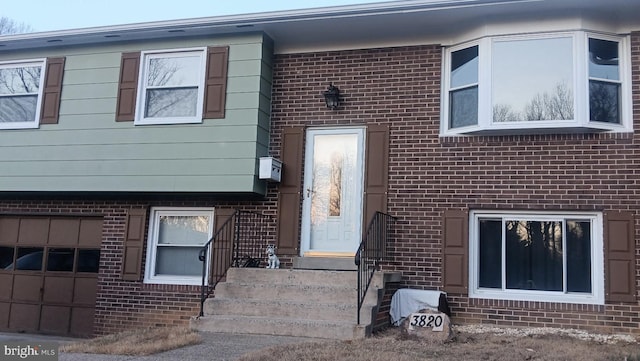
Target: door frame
305	236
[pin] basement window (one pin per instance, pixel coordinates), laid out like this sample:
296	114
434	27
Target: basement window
176	236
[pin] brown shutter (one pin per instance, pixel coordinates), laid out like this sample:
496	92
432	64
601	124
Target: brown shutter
377	171
455	251
134	244
221	216
128	87
620	250
222	248
289	191
53	74
215	89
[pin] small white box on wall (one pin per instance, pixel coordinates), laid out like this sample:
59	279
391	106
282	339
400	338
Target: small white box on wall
270	169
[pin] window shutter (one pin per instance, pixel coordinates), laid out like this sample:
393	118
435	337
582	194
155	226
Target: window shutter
128	87
289	190
221	216
215	89
222	247
377	171
455	251
134	244
50	108
620	250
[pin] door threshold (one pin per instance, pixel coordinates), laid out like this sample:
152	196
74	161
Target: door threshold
329	254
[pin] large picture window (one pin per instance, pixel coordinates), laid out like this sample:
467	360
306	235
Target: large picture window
171	87
539	257
568	81
176	236
21	86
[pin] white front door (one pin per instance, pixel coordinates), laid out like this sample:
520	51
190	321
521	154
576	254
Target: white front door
332	205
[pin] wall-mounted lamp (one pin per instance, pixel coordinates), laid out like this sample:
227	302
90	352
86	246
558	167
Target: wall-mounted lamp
332	97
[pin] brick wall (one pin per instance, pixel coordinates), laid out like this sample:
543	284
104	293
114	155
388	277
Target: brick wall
401	87
122	304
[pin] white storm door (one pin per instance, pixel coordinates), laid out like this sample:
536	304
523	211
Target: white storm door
332	205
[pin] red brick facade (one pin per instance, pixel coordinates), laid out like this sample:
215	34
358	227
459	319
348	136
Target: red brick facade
428	174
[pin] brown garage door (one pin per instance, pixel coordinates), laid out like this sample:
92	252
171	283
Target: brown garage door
48	273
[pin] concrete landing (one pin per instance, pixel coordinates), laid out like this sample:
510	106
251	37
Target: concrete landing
325	263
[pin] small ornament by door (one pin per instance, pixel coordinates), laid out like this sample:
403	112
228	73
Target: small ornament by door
273	260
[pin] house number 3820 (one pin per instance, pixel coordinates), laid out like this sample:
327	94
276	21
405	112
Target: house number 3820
426	320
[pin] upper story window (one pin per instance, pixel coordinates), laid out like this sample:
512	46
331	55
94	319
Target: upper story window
171	87
546	81
21	85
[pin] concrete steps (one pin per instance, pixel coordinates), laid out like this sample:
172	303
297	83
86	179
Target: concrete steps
309	303
285	309
281	327
263	291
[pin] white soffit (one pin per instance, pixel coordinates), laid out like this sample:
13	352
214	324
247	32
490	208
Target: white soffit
344	27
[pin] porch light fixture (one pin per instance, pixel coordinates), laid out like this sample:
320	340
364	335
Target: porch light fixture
332	97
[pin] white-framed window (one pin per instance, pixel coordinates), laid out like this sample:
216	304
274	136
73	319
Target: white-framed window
537	256
171	87
21	85
571	81
176	236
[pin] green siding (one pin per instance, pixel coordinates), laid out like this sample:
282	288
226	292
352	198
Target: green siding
245	68
92	76
174	183
130	167
87	106
243	84
89	91
88	151
142	151
266	81
125	133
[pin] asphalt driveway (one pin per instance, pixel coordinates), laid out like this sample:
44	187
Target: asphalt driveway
214	347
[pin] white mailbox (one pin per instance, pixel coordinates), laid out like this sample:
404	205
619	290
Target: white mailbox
270	169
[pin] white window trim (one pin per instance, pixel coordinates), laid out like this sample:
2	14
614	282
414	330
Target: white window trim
597	260
581	123
145	56
24	63
152	242
626	98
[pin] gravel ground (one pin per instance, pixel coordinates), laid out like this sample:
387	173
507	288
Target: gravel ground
531	331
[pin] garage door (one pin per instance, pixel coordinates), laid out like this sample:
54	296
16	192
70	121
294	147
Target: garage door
48	274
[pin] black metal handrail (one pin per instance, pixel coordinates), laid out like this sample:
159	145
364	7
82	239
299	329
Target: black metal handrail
372	250
239	242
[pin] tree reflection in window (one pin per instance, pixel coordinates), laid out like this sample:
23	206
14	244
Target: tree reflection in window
553	255
19	87
554	105
527	86
172	86
604	81
534	255
335	192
